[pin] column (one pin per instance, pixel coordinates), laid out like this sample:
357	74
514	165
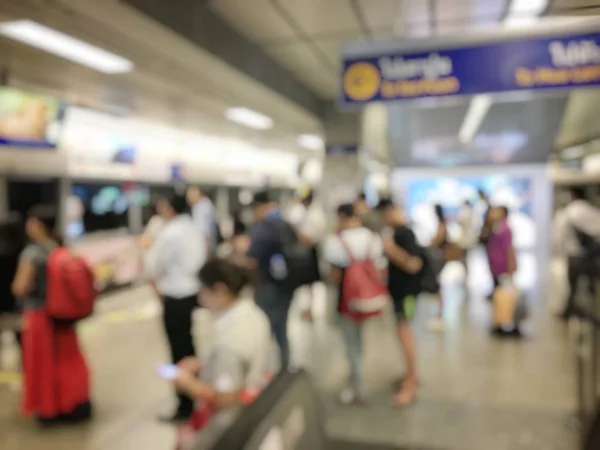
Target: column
4	206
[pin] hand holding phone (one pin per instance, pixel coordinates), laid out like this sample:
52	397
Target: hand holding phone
167	371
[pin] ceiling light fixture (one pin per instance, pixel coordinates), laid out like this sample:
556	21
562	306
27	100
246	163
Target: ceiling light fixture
478	108
310	141
65	46
525	12
249	118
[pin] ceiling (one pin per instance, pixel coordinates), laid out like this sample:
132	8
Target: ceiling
174	82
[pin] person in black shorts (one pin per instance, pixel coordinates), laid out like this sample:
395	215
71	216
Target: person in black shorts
404	280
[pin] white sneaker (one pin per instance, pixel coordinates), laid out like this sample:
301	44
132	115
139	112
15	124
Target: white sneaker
435	324
349	397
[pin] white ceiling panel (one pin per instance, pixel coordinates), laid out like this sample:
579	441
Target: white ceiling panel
413	18
469	11
255	19
306	67
331	47
322	16
380	13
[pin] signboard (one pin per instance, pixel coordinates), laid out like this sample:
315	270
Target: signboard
537	63
28	120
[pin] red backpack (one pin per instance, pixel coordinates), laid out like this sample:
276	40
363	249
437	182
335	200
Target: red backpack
70	290
363	291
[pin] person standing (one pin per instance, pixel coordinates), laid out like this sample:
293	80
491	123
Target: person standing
172	265
55	373
468	234
369	218
265	256
354	242
204	216
576	234
406	262
311	231
437	258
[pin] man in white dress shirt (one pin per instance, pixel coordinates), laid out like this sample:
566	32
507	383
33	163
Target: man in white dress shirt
576	227
172	264
203	214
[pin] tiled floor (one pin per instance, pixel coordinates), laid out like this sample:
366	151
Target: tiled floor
476	393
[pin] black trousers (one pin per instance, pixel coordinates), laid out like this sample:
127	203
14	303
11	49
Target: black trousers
178	326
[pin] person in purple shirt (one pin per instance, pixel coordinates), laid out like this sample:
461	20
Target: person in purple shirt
500	250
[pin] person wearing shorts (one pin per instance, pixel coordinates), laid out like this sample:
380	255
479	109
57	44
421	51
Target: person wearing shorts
404	280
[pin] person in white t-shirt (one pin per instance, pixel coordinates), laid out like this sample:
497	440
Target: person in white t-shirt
363	244
155	224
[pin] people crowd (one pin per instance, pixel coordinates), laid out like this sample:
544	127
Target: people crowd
370	256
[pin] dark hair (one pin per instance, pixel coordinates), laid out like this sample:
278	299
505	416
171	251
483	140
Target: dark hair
384	203
48	217
46	214
219	270
439	213
577	193
261	198
482	193
346	210
504	210
362	197
179	204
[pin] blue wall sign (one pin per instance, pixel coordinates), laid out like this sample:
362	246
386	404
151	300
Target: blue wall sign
540	63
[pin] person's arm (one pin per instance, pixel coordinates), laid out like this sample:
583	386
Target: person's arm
400	257
159	257
439	236
224	390
24	278
335	255
511	256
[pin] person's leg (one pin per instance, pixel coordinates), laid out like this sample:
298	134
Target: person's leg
404	308
178	324
275	302
352	332
573	275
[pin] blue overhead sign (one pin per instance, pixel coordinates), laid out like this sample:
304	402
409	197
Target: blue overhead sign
538	63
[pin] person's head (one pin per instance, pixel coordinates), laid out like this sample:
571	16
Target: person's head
174	206
261	205
482	195
347	217
577	193
308	198
221	281
439	213
193	194
467	203
391	214
41	223
498	213
160	206
360	205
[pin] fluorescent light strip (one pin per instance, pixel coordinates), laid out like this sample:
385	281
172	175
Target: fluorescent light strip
478	108
310	141
249	118
65	46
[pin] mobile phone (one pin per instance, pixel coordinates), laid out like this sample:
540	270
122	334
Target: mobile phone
167	371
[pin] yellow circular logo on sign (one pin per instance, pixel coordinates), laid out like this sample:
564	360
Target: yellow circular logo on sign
361	81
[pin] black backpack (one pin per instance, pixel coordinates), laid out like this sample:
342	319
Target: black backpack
299	261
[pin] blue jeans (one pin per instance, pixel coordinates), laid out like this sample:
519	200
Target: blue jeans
275	302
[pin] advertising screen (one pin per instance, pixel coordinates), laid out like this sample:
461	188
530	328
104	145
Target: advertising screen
452	194
28	120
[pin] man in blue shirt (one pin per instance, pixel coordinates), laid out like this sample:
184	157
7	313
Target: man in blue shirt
265	254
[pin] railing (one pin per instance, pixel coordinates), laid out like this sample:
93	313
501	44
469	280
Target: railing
588	369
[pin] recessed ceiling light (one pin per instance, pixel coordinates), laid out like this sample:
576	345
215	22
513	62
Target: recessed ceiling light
249	118
310	141
524	13
65	46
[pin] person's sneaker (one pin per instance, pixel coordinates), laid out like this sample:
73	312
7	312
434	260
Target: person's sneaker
435	324
351	397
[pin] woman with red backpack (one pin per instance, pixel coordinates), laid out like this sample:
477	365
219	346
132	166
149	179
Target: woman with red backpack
55	373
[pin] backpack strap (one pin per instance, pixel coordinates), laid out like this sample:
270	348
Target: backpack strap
346	247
